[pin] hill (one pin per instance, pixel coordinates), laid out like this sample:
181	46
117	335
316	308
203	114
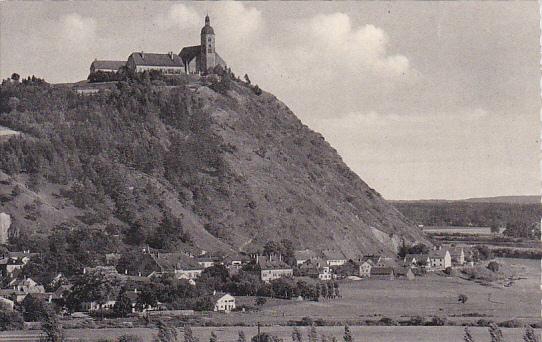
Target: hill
205	164
533	199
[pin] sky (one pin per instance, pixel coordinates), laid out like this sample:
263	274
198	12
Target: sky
423	100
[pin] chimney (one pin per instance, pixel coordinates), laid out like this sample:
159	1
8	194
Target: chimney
171	55
142	55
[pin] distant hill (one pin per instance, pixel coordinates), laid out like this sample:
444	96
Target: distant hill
534	199
197	163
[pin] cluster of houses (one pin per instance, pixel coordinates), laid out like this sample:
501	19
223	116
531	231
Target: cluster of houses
189	265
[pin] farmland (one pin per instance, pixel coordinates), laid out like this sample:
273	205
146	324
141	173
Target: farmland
226	334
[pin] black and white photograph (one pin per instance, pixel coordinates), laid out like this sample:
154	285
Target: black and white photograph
282	171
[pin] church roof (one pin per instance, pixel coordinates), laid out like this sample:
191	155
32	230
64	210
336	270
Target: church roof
157	59
207	30
189	52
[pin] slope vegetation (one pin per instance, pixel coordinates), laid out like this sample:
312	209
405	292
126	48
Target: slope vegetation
196	165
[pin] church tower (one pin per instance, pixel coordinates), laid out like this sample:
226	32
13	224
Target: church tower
208	55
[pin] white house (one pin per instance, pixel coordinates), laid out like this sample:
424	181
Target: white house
365	269
223	302
167	63
440	259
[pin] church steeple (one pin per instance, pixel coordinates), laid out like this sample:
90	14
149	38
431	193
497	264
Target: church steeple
208	57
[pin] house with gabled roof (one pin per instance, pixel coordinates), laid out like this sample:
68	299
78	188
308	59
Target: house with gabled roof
382	273
272	267
334	258
440	259
223	302
417	260
167	63
304	255
106	66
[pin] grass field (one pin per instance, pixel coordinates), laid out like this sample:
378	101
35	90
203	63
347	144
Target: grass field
458	229
229	334
428	296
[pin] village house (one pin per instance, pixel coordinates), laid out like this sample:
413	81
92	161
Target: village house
316	268
417	260
382	273
457	254
404	273
273	268
106	66
367	262
365	269
334	258
26	285
13	261
96	306
303	256
6	304
440	259
223	302
11	294
206	262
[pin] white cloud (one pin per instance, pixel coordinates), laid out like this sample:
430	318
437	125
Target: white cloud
77	29
179	16
236	24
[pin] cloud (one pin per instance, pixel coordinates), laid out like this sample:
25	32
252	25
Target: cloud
179	16
75	28
365	46
237	24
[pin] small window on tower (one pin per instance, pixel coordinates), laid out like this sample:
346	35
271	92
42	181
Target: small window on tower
209	39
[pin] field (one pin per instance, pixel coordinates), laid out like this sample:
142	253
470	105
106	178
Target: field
227	334
461	230
433	295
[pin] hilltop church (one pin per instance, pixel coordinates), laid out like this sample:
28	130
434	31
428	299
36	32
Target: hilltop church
197	59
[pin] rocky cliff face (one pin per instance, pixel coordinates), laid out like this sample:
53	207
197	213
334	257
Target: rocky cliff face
237	169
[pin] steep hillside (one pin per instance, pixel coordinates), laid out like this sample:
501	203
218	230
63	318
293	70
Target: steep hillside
198	164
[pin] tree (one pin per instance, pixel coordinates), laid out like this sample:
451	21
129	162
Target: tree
129	338
530	335
11	320
265	337
468	337
247	79
313	335
462	298
123	305
33	308
213	337
15	77
296	335
495	333
166	333
52	328
188	335
261	300
493	266
347	334
241	337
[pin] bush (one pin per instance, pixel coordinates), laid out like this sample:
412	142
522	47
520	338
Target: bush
387	321
438	321
129	338
261	300
11	320
265	337
416	320
513	323
493	266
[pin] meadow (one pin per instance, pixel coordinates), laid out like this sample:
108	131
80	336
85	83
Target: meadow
230	334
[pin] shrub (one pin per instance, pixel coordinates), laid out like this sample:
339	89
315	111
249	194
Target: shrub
10	320
265	337
513	323
387	321
462	298
129	338
261	300
416	320
438	321
493	266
